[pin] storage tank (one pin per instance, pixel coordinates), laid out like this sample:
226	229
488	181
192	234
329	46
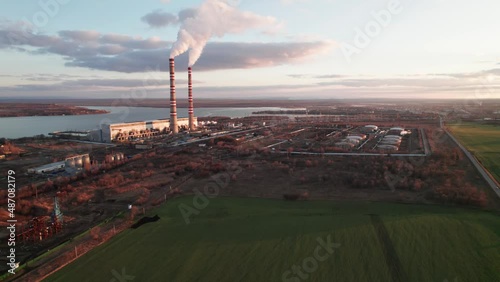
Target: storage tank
397	129
393	136
86	159
352	141
389	142
70	162
344	145
363	136
388	148
79	161
359	138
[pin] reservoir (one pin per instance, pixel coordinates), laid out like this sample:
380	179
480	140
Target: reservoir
17	127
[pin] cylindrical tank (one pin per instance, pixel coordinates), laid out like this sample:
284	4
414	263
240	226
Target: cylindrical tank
79	161
86	159
70	162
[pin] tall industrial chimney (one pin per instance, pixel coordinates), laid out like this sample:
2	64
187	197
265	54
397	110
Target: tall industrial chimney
173	101
192	126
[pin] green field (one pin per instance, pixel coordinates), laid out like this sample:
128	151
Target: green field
258	240
483	140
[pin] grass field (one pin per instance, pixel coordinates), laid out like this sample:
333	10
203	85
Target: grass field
259	240
483	140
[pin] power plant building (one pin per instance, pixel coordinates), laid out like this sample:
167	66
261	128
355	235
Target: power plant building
131	131
139	130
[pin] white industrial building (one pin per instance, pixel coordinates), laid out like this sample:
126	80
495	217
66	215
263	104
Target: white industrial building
139	130
48	168
75	163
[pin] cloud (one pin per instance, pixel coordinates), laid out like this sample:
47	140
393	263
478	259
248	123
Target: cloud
329	76
74	84
218	56
187	13
159	18
216	18
80	35
288	2
124	53
298	75
315	76
410	86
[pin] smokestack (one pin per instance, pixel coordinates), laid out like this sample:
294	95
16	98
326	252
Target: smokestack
173	100
192	126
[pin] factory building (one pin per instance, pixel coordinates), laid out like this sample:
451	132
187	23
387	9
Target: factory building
74	163
48	168
140	130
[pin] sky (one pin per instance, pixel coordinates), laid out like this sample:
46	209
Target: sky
251	49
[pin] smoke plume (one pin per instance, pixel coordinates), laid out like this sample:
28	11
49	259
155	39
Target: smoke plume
214	18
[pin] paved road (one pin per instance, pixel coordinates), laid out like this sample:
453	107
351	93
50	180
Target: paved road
489	179
353	154
426	142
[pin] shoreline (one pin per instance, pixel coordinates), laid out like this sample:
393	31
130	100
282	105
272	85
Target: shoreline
13	110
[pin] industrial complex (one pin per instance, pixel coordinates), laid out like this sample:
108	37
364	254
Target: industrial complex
131	131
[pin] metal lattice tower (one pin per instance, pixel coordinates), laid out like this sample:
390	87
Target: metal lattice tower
57	215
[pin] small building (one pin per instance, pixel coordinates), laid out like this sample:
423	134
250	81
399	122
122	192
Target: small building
2	157
48	168
144	146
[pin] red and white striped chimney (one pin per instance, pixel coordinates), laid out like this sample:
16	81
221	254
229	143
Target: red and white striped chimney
192	126
173	100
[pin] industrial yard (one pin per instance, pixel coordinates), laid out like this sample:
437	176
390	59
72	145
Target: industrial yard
271	157
79	189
